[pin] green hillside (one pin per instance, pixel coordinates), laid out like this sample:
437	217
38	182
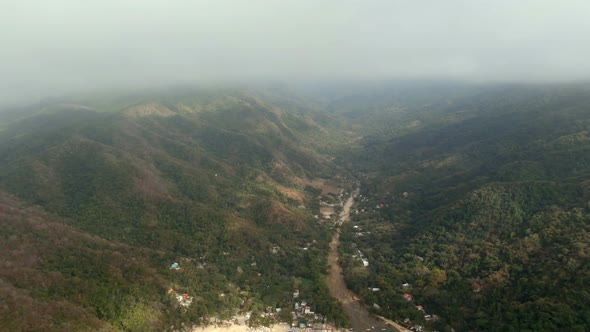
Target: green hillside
491	231
213	180
475	201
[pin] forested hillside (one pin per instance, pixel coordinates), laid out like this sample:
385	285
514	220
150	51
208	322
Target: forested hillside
101	196
479	209
473	213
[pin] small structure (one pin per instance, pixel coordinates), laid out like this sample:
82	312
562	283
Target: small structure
405	194
184	300
408	297
175	266
296	294
420	308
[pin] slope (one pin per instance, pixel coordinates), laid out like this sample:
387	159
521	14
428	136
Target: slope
215	180
483	211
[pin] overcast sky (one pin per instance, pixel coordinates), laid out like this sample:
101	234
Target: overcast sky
54	46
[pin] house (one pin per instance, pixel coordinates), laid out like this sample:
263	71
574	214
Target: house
184	300
307	310
408	297
405	286
296	294
420	308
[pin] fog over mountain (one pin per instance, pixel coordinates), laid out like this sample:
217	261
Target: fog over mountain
59	46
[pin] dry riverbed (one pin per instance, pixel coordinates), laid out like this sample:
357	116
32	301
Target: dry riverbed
360	319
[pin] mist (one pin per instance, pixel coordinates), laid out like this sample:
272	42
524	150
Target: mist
62	46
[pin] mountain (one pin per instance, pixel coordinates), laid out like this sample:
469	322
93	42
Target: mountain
474	205
102	195
482	209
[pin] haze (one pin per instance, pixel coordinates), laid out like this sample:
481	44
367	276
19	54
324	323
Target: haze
60	46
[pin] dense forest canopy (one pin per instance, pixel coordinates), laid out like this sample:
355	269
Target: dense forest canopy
485	211
474	199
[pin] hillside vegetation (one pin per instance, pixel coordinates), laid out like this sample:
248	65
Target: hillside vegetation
107	195
485	212
475	206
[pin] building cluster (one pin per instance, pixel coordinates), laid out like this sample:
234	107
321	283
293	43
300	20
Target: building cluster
306	320
407	322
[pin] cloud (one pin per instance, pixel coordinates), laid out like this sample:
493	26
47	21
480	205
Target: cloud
64	45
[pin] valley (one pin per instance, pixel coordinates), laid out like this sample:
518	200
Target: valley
360	318
443	206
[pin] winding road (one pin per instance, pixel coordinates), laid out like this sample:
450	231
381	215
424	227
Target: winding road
360	319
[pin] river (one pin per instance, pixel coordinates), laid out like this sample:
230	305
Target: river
360	319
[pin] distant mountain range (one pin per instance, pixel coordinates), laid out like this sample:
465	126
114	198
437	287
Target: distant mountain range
474	195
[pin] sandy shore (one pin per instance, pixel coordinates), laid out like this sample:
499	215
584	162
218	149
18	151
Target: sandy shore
243	328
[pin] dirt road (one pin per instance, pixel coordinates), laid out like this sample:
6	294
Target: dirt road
360	319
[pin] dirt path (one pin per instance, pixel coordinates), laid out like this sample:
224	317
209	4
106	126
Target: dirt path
360	319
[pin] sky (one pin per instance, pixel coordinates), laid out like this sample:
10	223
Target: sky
50	47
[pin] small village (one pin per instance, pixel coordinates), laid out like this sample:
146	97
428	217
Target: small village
303	317
372	205
305	320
